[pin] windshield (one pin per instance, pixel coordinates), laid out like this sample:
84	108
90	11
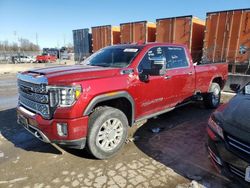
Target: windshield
112	57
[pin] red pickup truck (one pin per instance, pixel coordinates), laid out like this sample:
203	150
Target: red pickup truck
93	104
46	58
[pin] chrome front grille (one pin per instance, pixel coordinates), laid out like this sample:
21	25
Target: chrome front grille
33	94
239	145
42	109
37	88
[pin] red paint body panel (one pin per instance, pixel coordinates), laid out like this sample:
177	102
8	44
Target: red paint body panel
77	127
149	97
45	58
207	72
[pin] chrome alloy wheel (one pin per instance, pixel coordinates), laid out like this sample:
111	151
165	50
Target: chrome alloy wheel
110	134
216	96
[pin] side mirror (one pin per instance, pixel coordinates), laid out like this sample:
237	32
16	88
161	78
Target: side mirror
158	66
144	77
235	87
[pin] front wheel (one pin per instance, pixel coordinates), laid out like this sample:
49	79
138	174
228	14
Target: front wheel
108	130
212	99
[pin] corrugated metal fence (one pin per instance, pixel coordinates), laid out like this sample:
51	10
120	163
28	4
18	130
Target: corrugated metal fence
82	44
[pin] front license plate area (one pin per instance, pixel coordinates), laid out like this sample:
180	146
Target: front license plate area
247	175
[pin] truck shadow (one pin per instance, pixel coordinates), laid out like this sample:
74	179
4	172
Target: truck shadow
16	134
84	153
180	144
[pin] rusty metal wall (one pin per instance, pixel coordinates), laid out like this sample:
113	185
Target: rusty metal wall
226	33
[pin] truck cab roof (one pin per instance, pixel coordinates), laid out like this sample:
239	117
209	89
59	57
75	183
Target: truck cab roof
150	44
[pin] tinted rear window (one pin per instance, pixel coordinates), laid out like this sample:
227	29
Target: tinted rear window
175	57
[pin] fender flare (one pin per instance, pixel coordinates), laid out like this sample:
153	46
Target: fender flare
214	77
109	96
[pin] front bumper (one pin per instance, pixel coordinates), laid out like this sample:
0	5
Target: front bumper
46	130
226	161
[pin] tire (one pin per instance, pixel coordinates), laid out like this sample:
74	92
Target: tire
102	141
212	99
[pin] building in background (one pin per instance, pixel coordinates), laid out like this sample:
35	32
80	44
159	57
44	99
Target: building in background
141	31
227	39
82	44
187	30
105	35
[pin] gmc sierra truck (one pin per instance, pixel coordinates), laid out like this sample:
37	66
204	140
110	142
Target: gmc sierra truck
93	104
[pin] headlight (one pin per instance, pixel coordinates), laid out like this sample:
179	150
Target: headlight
63	96
215	126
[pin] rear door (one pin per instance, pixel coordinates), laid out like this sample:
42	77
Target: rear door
180	72
133	32
174	30
140	32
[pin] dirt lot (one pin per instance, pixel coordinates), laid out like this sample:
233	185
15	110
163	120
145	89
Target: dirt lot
14	68
171	158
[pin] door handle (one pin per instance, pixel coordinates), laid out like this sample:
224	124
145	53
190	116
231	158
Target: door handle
190	73
167	77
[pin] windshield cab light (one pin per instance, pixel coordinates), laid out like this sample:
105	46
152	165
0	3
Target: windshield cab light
215	127
64	96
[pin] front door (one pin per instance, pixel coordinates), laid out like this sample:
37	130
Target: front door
154	95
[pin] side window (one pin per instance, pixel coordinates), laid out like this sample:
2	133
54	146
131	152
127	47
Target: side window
175	57
145	62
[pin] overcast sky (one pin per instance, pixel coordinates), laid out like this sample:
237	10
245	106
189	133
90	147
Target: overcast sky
53	21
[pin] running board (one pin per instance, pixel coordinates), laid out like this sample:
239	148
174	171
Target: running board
162	112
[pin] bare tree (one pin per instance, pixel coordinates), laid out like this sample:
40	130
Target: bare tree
70	47
25	45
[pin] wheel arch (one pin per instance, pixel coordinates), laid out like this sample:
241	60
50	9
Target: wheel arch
121	100
219	80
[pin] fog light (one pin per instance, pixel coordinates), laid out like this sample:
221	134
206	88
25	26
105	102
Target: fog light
62	129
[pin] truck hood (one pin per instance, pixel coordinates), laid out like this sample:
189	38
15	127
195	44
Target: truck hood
234	116
74	73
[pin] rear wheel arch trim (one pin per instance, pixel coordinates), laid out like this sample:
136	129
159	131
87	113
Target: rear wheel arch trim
110	96
213	81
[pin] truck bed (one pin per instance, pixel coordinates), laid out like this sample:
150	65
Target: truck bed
205	73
